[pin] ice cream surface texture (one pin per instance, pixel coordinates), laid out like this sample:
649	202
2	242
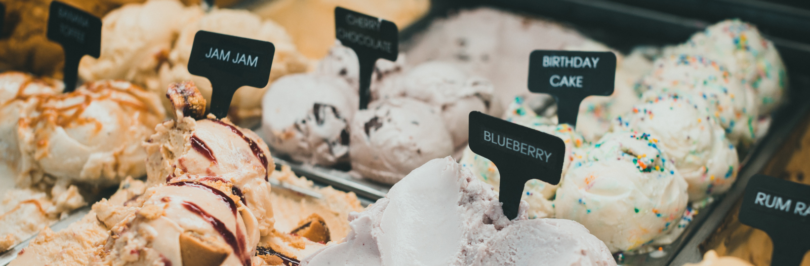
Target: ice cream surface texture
747	54
447	86
441	215
341	61
136	40
246	104
395	136
624	190
731	103
692	140
306	117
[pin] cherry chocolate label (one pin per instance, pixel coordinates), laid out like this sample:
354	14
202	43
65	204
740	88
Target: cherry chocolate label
570	77
78	32
230	62
519	152
782	209
371	39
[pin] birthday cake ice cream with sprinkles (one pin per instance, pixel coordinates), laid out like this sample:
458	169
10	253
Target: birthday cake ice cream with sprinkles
725	98
747	54
692	140
625	190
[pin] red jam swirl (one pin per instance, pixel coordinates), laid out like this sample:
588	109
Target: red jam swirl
257	151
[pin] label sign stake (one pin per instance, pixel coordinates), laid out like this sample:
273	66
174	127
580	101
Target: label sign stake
570	77
2	17
519	152
230	62
371	39
78	32
782	209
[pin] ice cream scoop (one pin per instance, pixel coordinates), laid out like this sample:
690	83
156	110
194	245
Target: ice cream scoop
692	140
444	85
341	61
136	40
91	136
731	103
395	136
306	117
455	219
246	104
625	190
17	90
747	54
492	43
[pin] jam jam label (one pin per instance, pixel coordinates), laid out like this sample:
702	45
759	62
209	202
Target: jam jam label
230	62
78	32
782	209
570	77
519	152
371	39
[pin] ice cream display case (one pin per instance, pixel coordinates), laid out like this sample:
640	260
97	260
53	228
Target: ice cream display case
335	157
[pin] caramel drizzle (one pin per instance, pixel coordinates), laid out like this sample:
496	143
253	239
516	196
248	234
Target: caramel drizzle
19	205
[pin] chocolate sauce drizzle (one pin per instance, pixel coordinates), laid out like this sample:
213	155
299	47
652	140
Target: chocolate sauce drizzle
269	251
253	145
202	148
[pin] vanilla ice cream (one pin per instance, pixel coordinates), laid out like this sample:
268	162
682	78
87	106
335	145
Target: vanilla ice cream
731	103
747	54
625	190
441	215
395	136
306	117
136	39
246	104
692	140
91	136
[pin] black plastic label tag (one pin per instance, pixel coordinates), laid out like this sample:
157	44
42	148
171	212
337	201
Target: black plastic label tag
371	39
2	16
78	32
519	152
570	77
230	62
782	209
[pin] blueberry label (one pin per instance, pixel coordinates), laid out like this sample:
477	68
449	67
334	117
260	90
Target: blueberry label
78	32
519	152
781	209
570	77
371	39
230	62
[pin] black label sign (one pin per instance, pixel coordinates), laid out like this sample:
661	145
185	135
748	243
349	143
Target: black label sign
230	62
570	77
78	32
519	152
782	209
371	39
2	17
